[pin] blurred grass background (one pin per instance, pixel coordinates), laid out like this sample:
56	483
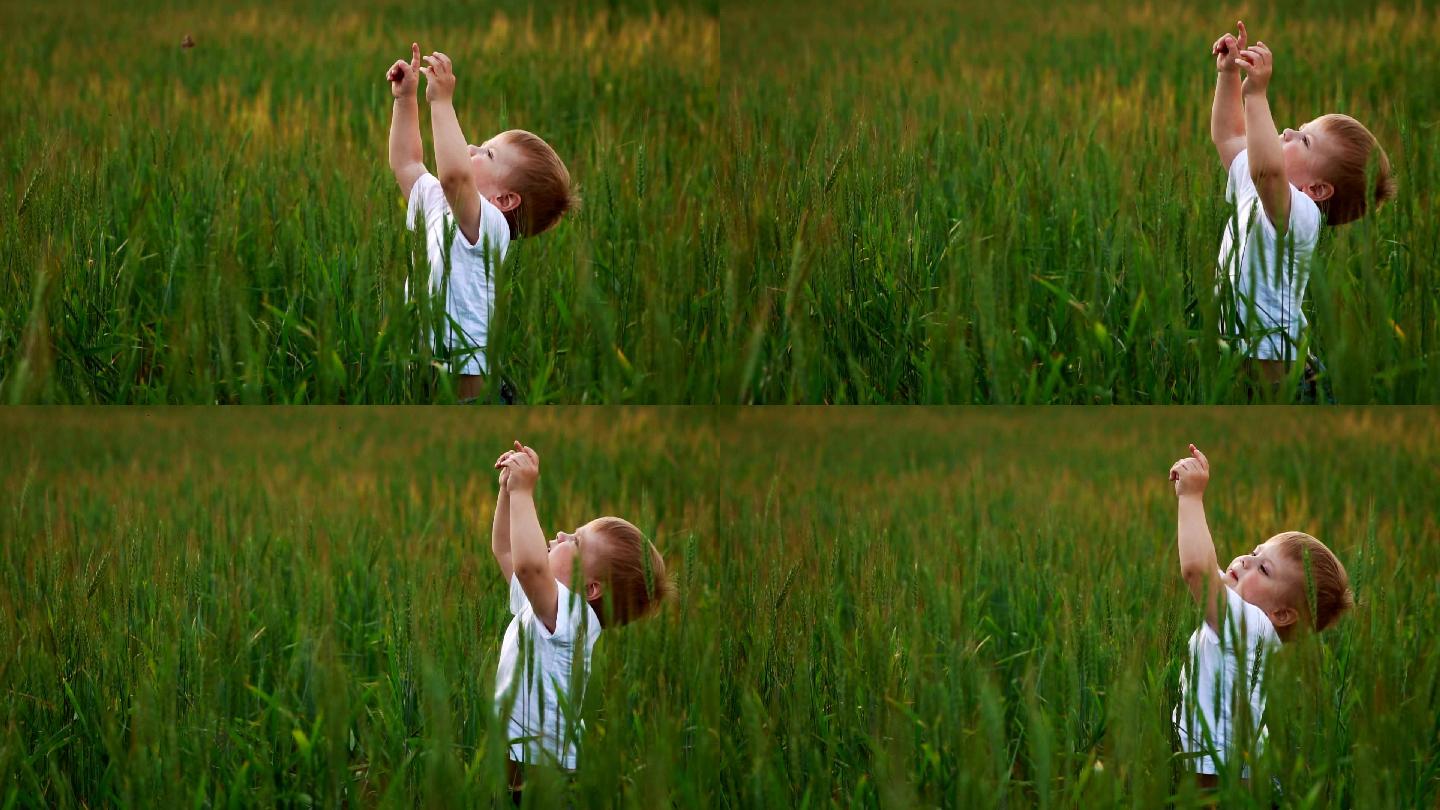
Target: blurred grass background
875	608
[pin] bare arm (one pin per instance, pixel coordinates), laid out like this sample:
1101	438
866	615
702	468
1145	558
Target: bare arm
527	542
452	158
1227	113
1198	564
407	153
1267	159
500	527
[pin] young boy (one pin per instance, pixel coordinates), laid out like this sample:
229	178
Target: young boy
562	594
1263	599
511	186
1283	186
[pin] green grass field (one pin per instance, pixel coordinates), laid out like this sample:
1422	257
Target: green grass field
917	201
1019	202
876	608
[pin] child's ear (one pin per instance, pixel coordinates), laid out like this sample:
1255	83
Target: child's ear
592	591
506	201
1320	191
1283	617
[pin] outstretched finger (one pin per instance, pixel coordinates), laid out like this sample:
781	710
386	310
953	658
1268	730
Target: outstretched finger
1240	24
414	54
1199	456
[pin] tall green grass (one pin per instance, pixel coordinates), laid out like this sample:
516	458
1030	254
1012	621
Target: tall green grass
1019	202
917	201
219	224
875	608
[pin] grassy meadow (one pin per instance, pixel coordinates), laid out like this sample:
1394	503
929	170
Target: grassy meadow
876	608
1020	202
915	201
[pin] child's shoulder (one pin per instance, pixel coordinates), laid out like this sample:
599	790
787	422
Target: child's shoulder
427	193
1248	621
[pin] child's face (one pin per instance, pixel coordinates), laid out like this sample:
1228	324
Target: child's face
1269	579
1308	153
492	163
584	544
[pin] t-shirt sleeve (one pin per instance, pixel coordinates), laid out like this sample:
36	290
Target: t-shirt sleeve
518	600
427	199
1239	187
494	234
1304	213
1244	624
570	613
1304	216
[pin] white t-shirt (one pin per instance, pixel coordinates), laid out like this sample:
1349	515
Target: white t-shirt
544	673
470	297
1268	275
1220	666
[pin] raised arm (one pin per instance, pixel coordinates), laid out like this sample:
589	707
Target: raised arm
1227	113
527	543
407	153
452	157
1267	159
1198	564
500	527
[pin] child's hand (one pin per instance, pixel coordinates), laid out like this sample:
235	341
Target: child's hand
405	76
439	78
1191	474
523	466
1228	47
1258	63
504	471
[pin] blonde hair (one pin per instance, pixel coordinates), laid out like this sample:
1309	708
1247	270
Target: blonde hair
1326	595
1349	171
543	183
634	574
